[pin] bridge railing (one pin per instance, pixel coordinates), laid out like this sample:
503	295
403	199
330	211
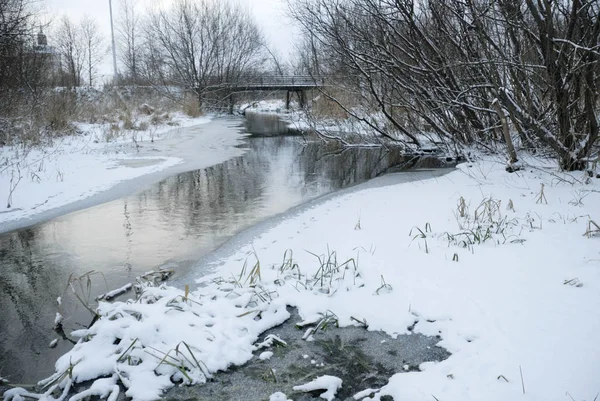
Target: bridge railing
267	81
285	80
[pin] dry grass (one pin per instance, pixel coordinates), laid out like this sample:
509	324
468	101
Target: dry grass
541	197
37	120
159	118
324	107
593	229
58	111
486	223
191	106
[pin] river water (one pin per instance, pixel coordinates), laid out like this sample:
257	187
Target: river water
174	222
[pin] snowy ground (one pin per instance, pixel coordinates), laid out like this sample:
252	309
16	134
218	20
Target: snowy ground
38	182
504	267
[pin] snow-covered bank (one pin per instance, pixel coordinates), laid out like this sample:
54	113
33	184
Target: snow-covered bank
496	264
49	181
338	126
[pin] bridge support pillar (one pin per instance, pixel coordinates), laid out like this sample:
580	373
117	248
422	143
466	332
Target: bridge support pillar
302	98
287	100
231	103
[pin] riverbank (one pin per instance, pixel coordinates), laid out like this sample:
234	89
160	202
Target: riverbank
178	222
80	171
505	268
331	124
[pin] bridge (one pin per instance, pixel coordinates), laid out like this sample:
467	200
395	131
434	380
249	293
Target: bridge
281	82
290	83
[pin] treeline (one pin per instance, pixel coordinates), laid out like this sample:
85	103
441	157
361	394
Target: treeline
459	68
193	44
188	48
190	43
464	71
35	55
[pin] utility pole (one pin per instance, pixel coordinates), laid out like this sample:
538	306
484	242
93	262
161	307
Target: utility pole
112	34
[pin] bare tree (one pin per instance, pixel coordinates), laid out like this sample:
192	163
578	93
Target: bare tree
277	64
94	47
201	45
128	42
23	61
25	67
457	67
72	50
15	27
566	38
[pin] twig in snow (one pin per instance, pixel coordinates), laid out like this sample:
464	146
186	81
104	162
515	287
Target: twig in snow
541	198
590	232
558	176
13	185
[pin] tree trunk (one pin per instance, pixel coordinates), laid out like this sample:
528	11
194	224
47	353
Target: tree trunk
569	163
505	131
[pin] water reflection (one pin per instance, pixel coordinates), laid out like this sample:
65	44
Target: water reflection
176	221
265	124
32	277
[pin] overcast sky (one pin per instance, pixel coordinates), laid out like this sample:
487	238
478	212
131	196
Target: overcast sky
270	15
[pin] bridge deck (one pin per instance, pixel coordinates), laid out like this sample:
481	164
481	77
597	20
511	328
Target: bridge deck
258	87
289	83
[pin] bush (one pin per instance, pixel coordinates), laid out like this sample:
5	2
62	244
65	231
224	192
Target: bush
58	110
191	106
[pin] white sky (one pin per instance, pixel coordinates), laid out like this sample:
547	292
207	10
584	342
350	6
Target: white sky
270	15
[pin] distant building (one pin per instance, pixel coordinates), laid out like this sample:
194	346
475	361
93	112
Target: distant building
50	57
42	41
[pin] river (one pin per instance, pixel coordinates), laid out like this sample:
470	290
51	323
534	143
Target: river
174	223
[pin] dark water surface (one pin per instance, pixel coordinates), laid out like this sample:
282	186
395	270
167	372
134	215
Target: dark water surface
175	222
264	124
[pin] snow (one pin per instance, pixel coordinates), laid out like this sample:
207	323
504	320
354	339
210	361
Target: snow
265	355
118	291
500	306
269	341
330	383
72	168
102	388
473	256
271	106
278	396
364	394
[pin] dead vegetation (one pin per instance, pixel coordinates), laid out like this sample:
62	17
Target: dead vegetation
191	106
323	107
50	114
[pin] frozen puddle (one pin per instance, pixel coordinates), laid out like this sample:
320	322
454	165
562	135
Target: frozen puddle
362	359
